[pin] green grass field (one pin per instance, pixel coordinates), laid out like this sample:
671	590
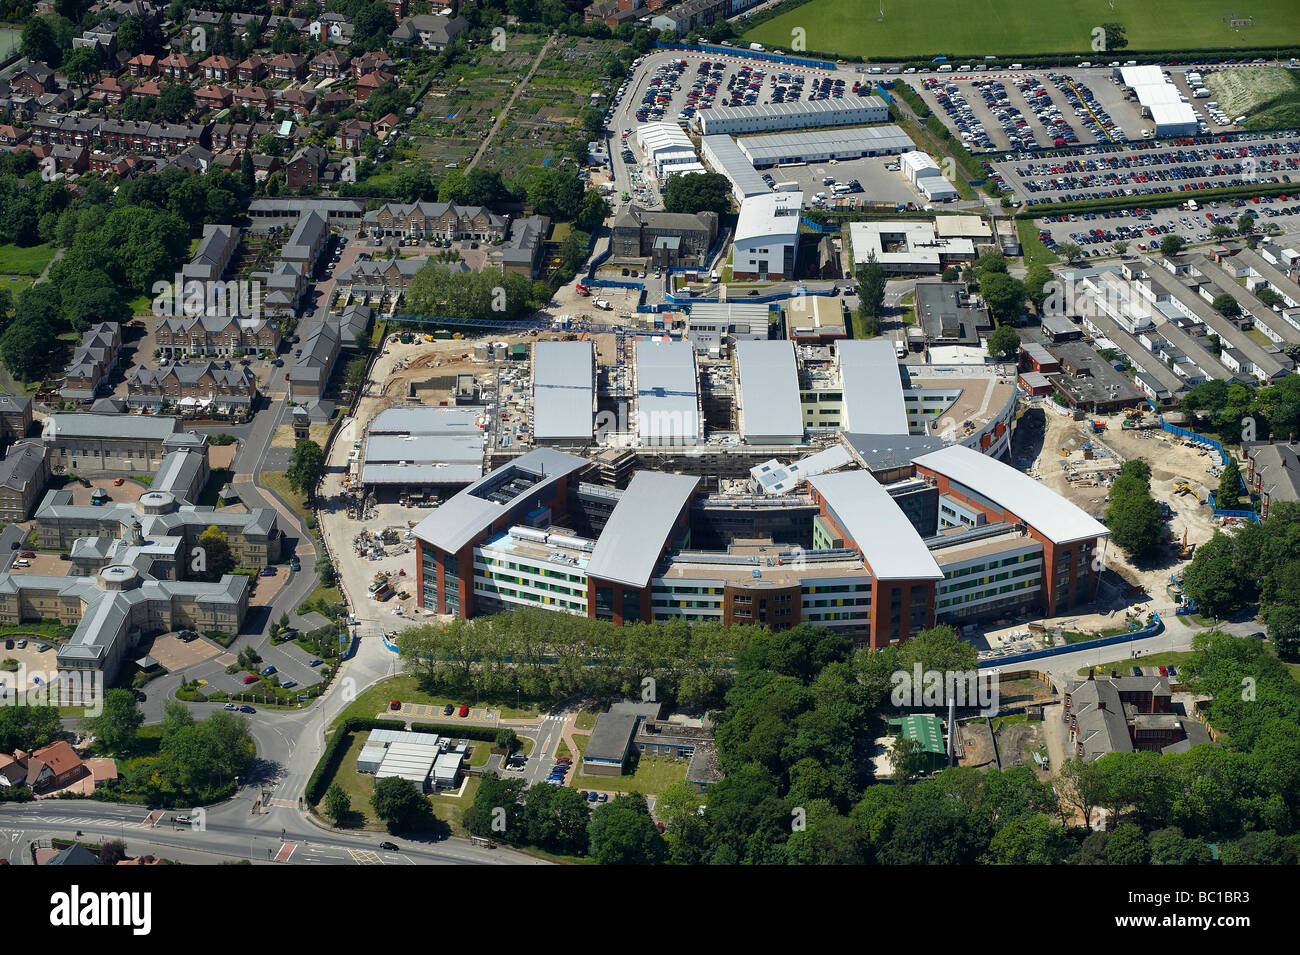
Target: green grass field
1008	27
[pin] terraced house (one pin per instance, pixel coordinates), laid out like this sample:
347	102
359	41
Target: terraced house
436	220
92	361
215	335
206	387
117	444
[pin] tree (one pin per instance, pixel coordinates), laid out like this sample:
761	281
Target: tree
1133	516
400	804
39	42
871	292
1004	343
507	740
1226	305
556	818
27	727
81	65
337	803
115	727
1284	631
212	558
1069	251
1115	36
1245	224
556	193
1229	491
908	758
592	213
1004	296
1171	245
112	851
698	192
176	102
1127	845
307	469
1220	231
1120	247
1037	284
1215	580
355	373
28	348
622	832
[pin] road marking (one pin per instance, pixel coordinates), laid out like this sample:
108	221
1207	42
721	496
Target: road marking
286	850
365	857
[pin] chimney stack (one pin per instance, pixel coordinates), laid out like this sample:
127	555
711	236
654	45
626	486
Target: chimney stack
1101	704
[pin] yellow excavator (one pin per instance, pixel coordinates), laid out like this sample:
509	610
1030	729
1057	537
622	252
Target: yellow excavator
1188	489
1186	551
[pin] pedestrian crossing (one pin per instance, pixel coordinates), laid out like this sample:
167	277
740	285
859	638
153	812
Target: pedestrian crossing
92	821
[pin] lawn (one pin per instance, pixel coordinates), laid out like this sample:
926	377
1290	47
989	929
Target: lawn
405	688
16	260
1031	246
278	481
653	775
1006	27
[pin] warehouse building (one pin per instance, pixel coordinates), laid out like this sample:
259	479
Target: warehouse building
564	392
848	111
924	173
766	242
667	149
722	153
423	449
824	145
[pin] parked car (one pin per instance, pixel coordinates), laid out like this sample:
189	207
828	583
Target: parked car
288	684
247	709
464	710
389	846
42	647
394	704
230	706
295	564
448	710
266	572
593	796
251	678
268	671
314	662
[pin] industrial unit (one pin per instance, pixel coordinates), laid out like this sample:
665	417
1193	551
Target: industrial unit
824	145
848	111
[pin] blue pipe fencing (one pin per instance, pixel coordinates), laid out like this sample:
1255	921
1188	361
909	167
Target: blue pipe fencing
748	54
1142	634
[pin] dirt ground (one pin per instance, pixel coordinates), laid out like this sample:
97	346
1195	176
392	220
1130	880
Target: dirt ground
1016	740
221	457
1043	434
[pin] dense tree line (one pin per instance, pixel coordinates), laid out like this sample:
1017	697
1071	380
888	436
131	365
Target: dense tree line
1239	412
1256	563
554	656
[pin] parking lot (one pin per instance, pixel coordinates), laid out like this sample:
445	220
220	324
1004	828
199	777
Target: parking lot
660	88
1036	109
1143	169
1097	232
875	181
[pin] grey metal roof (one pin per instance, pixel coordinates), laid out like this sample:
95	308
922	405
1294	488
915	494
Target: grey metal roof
425	420
424	449
420	474
882	533
640	527
727	159
1034	503
611	737
769	390
667	392
824	112
470	512
98	426
780	147
873	389
563	390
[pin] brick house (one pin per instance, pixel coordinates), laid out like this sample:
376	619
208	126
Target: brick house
306	167
218	68
287	67
179	66
251	70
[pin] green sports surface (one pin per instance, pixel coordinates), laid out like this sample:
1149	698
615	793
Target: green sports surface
1013	27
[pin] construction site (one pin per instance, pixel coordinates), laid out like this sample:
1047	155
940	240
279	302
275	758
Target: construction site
1080	458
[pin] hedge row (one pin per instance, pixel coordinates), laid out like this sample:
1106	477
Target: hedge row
485	733
334	750
1159	200
972	167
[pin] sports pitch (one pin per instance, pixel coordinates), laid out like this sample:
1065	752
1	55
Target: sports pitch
1012	27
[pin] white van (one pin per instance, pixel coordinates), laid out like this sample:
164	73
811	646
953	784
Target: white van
946	68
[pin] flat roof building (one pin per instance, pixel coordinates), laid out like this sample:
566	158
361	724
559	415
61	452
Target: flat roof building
873	389
722	153
766	243
564	392
770	411
824	145
908	247
847	111
667	393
